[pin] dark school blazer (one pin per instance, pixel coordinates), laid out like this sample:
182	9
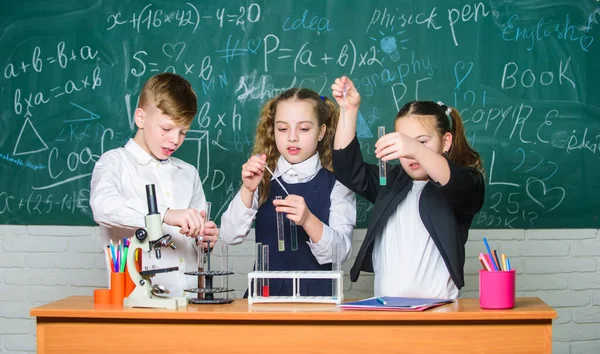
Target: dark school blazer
446	211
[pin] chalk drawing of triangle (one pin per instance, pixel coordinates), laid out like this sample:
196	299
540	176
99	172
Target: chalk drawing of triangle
362	129
37	148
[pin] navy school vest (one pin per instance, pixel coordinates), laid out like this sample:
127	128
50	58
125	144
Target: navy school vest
316	194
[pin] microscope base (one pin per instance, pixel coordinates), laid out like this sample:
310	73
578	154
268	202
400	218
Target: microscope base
159	303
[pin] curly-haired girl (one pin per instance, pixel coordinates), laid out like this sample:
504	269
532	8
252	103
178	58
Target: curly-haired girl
294	139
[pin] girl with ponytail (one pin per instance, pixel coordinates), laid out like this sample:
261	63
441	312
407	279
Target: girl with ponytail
294	139
415	241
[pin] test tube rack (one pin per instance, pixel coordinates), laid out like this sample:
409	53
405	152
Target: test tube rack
206	293
296	276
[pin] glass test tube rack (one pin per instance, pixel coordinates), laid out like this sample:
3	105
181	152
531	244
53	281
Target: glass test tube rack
257	277
206	293
258	280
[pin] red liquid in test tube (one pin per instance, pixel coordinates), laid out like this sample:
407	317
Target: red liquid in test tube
265	260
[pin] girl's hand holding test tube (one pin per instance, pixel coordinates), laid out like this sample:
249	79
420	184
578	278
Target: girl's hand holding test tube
293	205
252	172
295	208
346	96
395	145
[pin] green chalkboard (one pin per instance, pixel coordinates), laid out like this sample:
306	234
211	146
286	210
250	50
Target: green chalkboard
524	75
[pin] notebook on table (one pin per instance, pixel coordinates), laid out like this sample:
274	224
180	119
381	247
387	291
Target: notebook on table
392	303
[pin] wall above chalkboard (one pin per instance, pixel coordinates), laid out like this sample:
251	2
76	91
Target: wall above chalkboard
524	75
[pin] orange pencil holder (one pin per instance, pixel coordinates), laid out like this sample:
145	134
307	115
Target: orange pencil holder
117	288
101	296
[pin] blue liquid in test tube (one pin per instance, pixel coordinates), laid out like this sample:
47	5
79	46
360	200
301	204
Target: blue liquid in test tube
382	165
293	235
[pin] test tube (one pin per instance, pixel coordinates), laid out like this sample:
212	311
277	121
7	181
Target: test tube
265	261
201	254
225	266
344	94
382	169
208	280
258	264
207	210
208	255
335	266
200	264
293	235
280	230
200	260
199	241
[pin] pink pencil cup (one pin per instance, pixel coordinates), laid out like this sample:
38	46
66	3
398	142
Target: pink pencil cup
497	289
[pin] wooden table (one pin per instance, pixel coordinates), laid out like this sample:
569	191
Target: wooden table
76	325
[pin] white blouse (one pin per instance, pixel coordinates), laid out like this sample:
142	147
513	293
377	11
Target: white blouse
406	261
237	220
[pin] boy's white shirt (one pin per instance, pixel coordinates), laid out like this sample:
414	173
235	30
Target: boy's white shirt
119	205
237	220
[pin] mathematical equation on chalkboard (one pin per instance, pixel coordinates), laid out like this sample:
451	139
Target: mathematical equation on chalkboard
70	96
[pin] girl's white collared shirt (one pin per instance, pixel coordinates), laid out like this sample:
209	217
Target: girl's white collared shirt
237	220
406	261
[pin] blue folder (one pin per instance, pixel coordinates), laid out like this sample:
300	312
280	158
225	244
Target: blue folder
395	303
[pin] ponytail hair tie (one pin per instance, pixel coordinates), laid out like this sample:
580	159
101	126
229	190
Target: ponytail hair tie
322	98
448	110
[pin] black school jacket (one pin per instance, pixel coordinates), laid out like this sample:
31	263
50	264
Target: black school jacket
446	211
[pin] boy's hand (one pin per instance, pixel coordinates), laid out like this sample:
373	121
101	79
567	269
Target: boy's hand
352	100
295	207
190	221
253	171
211	232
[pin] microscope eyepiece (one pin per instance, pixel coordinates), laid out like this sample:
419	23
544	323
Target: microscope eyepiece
151	198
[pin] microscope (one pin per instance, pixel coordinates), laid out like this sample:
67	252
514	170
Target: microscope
150	239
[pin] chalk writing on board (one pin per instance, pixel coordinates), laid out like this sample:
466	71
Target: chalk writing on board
544	29
62	57
521	74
